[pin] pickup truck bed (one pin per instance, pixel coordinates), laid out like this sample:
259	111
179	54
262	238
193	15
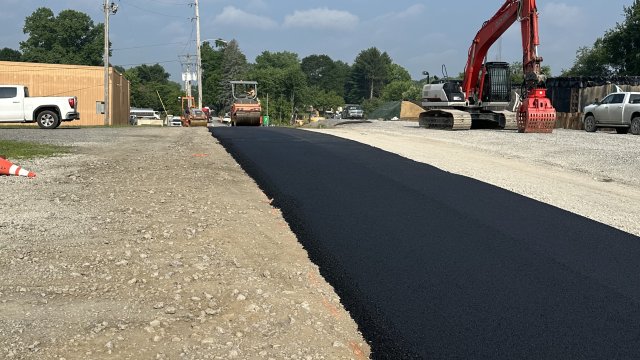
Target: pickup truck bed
16	106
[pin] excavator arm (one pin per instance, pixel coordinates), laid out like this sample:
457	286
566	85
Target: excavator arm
536	113
490	32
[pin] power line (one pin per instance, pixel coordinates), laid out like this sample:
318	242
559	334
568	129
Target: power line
190	39
155	12
169	2
147	46
149	63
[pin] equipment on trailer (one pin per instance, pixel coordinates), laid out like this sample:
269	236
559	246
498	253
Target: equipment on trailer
483	99
246	107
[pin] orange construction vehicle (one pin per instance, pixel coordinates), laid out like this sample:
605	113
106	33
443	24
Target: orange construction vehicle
191	116
483	99
246	109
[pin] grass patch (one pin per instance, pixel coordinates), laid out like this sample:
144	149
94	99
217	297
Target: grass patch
29	150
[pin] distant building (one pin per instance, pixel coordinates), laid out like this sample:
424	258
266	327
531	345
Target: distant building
85	82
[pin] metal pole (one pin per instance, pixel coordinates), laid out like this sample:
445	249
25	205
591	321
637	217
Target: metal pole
107	10
188	89
198	58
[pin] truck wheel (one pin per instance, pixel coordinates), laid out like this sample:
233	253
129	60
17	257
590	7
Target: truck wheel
48	120
623	130
590	124
635	125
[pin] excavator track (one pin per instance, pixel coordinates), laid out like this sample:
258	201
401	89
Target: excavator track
445	119
511	119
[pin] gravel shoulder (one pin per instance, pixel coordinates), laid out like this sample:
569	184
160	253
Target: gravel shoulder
153	243
595	175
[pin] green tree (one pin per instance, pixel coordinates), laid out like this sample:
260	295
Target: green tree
322	72
69	38
590	61
398	73
279	74
401	90
283	59
369	74
145	80
616	53
234	67
7	54
517	72
211	77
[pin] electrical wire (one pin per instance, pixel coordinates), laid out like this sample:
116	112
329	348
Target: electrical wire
149	63
190	39
147	46
71	67
155	12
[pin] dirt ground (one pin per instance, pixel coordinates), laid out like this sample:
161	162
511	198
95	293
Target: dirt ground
152	243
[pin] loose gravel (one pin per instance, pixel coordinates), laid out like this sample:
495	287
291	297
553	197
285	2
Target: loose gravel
152	243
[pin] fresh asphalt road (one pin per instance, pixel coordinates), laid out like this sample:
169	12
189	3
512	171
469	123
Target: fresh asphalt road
440	266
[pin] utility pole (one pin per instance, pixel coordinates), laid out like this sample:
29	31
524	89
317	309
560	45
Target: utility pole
187	76
198	56
108	10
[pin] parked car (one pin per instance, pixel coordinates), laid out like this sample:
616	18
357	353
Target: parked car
352	111
620	110
16	106
226	119
175	121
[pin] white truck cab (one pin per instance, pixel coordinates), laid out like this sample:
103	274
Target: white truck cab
16	106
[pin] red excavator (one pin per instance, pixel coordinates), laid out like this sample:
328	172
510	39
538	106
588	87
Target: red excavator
483	99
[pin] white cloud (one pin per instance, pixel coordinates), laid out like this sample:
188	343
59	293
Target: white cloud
322	18
233	16
562	15
413	10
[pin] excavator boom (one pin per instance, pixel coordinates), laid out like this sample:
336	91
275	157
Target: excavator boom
536	114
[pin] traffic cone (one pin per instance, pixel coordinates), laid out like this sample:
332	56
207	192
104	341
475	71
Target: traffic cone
9	168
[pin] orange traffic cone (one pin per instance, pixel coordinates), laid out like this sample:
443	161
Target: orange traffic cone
8	168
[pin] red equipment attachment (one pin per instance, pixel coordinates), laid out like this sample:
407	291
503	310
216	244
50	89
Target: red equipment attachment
536	114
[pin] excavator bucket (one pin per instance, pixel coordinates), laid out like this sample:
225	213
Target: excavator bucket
536	114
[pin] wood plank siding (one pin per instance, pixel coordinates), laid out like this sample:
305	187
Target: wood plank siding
85	82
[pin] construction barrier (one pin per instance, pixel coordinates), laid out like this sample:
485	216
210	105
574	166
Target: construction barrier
9	168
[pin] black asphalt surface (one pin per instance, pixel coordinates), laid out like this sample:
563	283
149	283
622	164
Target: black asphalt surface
440	266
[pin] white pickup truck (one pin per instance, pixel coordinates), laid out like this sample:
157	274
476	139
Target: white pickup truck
620	110
17	107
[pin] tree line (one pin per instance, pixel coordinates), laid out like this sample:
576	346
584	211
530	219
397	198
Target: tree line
293	85
616	53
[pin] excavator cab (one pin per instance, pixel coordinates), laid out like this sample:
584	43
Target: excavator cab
496	85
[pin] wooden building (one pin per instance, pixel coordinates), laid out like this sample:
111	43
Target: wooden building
84	82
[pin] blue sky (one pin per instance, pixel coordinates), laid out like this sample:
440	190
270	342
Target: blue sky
419	35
